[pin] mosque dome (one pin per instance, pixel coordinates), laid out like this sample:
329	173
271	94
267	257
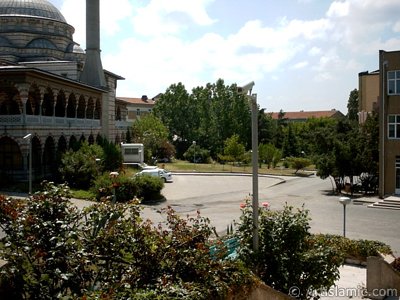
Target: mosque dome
31	8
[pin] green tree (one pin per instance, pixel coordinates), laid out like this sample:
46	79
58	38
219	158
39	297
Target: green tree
269	154
299	163
112	158
352	106
209	116
343	158
128	136
196	154
177	112
290	144
152	133
234	149
282	122
267	128
79	168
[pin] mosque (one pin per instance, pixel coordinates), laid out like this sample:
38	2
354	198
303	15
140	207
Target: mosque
53	94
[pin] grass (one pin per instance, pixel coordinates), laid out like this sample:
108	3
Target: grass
82	194
185	166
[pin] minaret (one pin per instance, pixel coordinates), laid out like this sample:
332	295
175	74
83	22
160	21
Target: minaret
93	73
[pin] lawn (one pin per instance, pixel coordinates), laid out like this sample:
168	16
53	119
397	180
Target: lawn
185	166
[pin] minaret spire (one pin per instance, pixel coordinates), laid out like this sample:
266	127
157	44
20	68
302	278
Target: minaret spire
93	73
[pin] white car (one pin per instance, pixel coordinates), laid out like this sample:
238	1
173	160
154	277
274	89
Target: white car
163	174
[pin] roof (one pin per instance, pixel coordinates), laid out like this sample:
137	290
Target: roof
31	8
304	115
143	100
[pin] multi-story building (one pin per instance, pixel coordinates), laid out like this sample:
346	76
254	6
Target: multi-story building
137	107
51	91
368	94
389	128
302	116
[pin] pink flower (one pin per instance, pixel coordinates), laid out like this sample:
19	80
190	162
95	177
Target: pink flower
242	205
265	205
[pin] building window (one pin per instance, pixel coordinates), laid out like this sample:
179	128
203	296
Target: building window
393	83
394	126
131	151
138	112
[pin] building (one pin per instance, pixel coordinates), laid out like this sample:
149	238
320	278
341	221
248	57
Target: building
389	120
51	91
368	94
302	116
137	107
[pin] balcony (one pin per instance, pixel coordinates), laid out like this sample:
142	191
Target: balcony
30	120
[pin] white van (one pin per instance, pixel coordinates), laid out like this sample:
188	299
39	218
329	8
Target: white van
165	175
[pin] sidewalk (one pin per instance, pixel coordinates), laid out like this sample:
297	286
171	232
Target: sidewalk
351	284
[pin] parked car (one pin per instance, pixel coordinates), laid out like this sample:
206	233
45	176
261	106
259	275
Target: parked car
146	167
163	174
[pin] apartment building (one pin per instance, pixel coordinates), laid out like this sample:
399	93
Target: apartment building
389	128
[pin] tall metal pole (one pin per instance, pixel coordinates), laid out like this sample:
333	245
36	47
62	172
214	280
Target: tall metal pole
254	147
344	220
344	201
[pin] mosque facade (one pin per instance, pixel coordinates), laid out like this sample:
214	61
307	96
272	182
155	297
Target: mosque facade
49	100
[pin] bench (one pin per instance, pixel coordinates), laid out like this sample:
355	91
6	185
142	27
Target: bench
231	245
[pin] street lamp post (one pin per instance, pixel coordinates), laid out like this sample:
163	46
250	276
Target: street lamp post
344	201
254	158
247	90
29	137
194	153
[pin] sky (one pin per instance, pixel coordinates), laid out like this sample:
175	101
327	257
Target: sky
301	54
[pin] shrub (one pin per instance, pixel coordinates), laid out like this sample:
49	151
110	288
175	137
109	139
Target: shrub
80	168
112	155
125	187
107	251
40	244
287	255
353	249
146	188
299	163
197	155
149	187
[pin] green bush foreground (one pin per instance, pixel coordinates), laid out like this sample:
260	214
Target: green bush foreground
107	251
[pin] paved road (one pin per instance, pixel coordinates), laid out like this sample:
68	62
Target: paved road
219	198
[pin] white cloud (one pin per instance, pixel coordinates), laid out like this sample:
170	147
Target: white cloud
314	51
300	65
338	9
162	42
358	22
161	17
75	13
396	27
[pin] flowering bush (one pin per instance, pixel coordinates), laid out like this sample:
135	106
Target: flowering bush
107	251
288	257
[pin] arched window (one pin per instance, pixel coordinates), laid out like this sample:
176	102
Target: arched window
10	155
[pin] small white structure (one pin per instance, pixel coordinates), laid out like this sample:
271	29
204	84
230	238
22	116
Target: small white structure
132	153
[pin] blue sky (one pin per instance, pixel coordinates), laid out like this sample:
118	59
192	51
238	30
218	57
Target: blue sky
301	54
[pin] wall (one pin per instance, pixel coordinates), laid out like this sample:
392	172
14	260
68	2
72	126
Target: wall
381	278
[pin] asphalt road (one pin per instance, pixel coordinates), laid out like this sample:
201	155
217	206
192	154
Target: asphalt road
219	197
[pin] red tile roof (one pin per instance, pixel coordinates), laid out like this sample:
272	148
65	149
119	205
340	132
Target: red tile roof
304	115
142	101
